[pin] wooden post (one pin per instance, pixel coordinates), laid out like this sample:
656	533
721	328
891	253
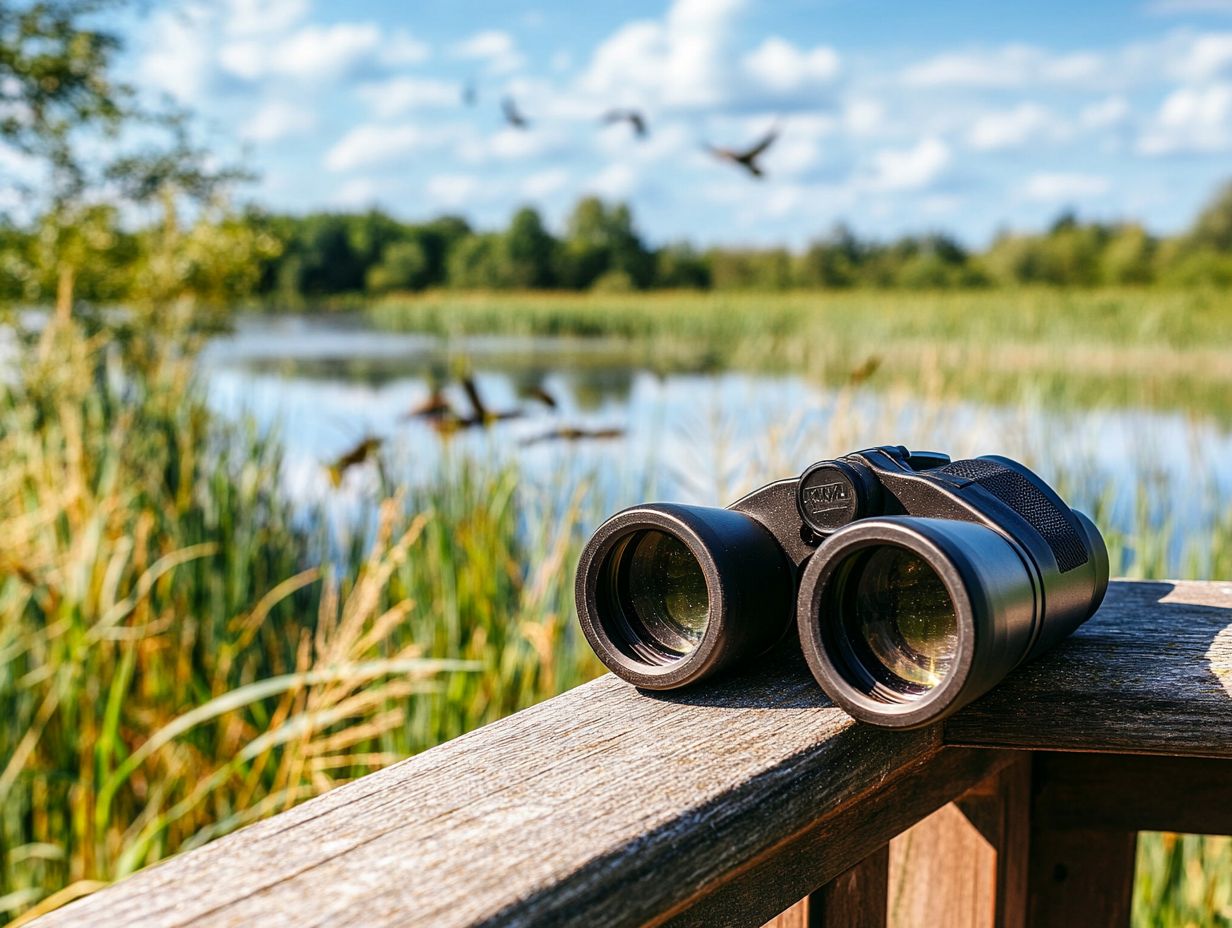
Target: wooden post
1080	876
966	864
1082	869
855	898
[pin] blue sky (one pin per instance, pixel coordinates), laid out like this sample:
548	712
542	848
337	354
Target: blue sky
966	117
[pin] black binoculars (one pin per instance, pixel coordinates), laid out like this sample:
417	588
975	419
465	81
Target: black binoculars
916	582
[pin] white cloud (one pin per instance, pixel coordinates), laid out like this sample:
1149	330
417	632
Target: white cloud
544	183
1024	124
682	60
369	145
616	181
914	168
1192	119
1055	188
802	145
175	60
263	17
494	48
863	116
278	119
184	49
400	95
403	48
780	66
685	60
508	144
452	190
1010	66
1203	56
1111	111
313	53
357	193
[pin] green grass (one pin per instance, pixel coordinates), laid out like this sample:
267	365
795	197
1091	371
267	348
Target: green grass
181	652
1079	348
177	658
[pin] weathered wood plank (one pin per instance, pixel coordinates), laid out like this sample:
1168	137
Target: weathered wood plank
1134	792
603	806
610	806
1151	672
839	838
965	866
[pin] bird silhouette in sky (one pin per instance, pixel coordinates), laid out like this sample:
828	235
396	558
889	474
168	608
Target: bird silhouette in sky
470	93
746	158
513	115
633	117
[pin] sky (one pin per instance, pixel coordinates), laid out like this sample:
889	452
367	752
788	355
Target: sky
893	117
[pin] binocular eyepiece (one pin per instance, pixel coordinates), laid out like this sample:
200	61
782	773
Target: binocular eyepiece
915	584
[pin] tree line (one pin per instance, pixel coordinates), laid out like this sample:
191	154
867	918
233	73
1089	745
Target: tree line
291	261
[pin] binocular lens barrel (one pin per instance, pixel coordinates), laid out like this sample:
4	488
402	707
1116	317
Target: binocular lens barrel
904	620
668	594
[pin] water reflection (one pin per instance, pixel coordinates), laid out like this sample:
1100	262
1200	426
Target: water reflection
326	385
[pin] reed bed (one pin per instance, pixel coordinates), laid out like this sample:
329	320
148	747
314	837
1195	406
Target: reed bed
1146	348
179	654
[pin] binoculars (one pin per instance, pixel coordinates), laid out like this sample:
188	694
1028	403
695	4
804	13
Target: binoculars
915	583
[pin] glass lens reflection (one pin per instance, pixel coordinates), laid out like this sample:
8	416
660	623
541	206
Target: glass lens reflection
905	617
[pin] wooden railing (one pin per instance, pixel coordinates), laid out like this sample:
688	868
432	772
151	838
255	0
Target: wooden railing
730	804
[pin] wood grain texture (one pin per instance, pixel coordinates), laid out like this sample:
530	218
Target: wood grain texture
604	806
965	866
1080	876
842	836
854	899
614	807
795	917
1150	673
1135	793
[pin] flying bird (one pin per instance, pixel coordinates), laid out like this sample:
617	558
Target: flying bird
542	395
746	158
482	415
573	433
513	115
865	370
633	117
470	93
436	406
363	451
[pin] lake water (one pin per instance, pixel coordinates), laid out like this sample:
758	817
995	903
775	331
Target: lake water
325	384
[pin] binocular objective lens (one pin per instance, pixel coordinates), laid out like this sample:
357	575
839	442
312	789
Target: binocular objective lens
666	589
897	611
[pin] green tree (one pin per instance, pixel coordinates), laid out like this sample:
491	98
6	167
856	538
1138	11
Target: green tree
833	261
479	262
679	266
1129	256
56	81
403	266
601	238
531	251
1212	229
